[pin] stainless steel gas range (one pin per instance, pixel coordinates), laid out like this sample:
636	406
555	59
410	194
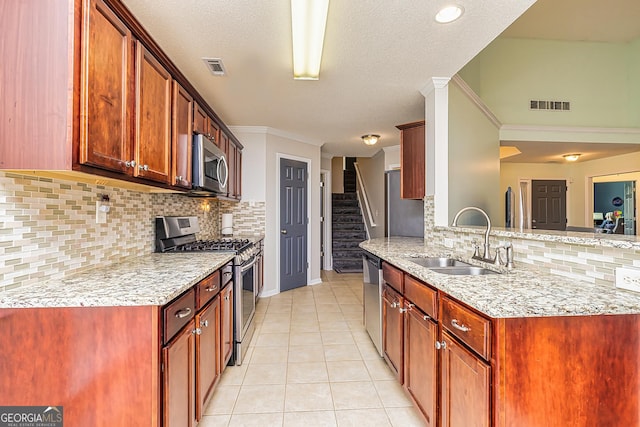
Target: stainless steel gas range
178	234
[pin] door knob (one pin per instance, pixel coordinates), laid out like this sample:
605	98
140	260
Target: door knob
283	231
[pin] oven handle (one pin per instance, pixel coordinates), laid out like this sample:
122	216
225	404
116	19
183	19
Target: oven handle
248	266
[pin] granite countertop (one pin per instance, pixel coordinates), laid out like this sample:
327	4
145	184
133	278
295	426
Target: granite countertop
153	279
522	292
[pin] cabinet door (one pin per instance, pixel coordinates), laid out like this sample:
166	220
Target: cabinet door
420	363
106	76
464	387
213	130
412	161
178	379
199	119
207	353
226	324
181	136
393	331
153	118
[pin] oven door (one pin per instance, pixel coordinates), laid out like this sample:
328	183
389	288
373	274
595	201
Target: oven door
245	306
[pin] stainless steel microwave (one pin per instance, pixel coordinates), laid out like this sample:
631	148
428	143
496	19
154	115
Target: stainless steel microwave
210	170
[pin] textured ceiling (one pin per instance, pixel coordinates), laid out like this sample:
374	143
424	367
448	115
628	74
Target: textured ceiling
551	152
378	55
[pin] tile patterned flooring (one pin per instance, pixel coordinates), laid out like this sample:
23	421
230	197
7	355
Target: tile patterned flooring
311	363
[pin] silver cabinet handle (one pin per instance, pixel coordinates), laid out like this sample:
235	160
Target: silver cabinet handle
210	289
204	323
404	310
185	312
425	317
394	305
130	164
143	167
283	231
441	345
460	326
197	331
226	298
179	178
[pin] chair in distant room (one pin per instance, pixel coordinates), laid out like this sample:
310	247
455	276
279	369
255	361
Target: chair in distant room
598	217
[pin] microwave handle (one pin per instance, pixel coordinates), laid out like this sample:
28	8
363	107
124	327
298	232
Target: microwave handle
223	160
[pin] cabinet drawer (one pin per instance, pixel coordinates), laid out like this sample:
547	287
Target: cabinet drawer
392	276
421	295
473	329
226	274
178	313
208	288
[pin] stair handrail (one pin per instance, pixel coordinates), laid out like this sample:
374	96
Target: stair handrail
365	197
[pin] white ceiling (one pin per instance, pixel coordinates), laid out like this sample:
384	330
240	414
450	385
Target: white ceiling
378	55
551	152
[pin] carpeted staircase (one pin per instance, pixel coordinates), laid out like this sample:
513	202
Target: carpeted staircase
347	231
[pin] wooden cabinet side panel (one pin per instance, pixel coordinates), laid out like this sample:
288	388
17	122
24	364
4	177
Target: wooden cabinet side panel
35	82
107	73
181	136
561	371
100	363
153	117
412	163
226	324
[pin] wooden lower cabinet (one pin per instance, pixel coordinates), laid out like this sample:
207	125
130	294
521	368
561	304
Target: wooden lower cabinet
393	331
464	386
208	353
178	361
420	362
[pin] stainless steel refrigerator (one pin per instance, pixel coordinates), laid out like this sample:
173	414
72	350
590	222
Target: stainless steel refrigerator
403	217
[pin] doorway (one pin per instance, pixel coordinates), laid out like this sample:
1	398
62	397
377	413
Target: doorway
617	200
293	224
549	204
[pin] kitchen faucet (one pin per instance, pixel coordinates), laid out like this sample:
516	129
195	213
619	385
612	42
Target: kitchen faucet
486	256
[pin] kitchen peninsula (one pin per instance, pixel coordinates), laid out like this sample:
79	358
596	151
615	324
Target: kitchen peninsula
520	348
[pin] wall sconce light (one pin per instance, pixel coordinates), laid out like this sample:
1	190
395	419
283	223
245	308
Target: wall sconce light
571	157
370	139
206	207
308	24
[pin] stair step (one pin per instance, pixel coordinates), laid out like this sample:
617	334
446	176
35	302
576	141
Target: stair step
344	196
347	218
349	210
348	226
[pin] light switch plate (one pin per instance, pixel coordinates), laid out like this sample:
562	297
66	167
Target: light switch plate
628	278
101	216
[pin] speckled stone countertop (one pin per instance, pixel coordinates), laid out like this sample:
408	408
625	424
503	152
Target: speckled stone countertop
522	292
153	279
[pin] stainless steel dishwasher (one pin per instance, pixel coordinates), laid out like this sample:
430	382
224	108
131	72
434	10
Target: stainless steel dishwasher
372	289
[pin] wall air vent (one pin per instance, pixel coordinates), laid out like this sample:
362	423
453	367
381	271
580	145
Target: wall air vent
215	65
550	105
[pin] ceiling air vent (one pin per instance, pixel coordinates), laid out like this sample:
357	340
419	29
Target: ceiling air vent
215	65
550	105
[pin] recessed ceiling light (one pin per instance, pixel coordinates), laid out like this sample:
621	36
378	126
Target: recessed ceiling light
449	14
571	157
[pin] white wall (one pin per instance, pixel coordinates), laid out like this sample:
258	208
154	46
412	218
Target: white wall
254	140
372	171
391	157
474	165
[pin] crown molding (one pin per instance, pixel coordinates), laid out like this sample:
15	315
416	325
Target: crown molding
266	130
476	100
434	83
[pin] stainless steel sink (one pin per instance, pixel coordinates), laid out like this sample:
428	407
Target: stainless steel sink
438	262
468	270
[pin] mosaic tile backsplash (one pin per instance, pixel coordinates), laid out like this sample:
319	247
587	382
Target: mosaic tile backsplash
48	227
249	218
573	261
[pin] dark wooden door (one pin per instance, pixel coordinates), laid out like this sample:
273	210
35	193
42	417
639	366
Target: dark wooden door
181	136
226	324
549	204
393	331
207	353
153	117
293	224
107	73
178	378
464	387
420	363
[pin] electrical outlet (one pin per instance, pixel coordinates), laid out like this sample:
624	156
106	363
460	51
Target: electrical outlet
628	278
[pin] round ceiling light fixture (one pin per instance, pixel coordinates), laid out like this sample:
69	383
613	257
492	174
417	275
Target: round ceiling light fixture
571	157
370	139
449	14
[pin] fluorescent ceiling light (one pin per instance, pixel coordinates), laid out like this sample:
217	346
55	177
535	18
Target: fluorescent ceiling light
449	14
308	23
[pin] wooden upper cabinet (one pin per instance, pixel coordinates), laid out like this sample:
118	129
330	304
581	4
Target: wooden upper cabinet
213	131
107	71
181	136
412	160
153	118
200	124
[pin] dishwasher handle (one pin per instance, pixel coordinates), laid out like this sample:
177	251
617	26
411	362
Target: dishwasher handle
373	260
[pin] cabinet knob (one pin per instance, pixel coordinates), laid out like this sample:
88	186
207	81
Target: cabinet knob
204	323
179	178
130	163
404	310
197	331
143	167
441	345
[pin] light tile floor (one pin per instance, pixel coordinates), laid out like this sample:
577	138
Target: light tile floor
311	363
